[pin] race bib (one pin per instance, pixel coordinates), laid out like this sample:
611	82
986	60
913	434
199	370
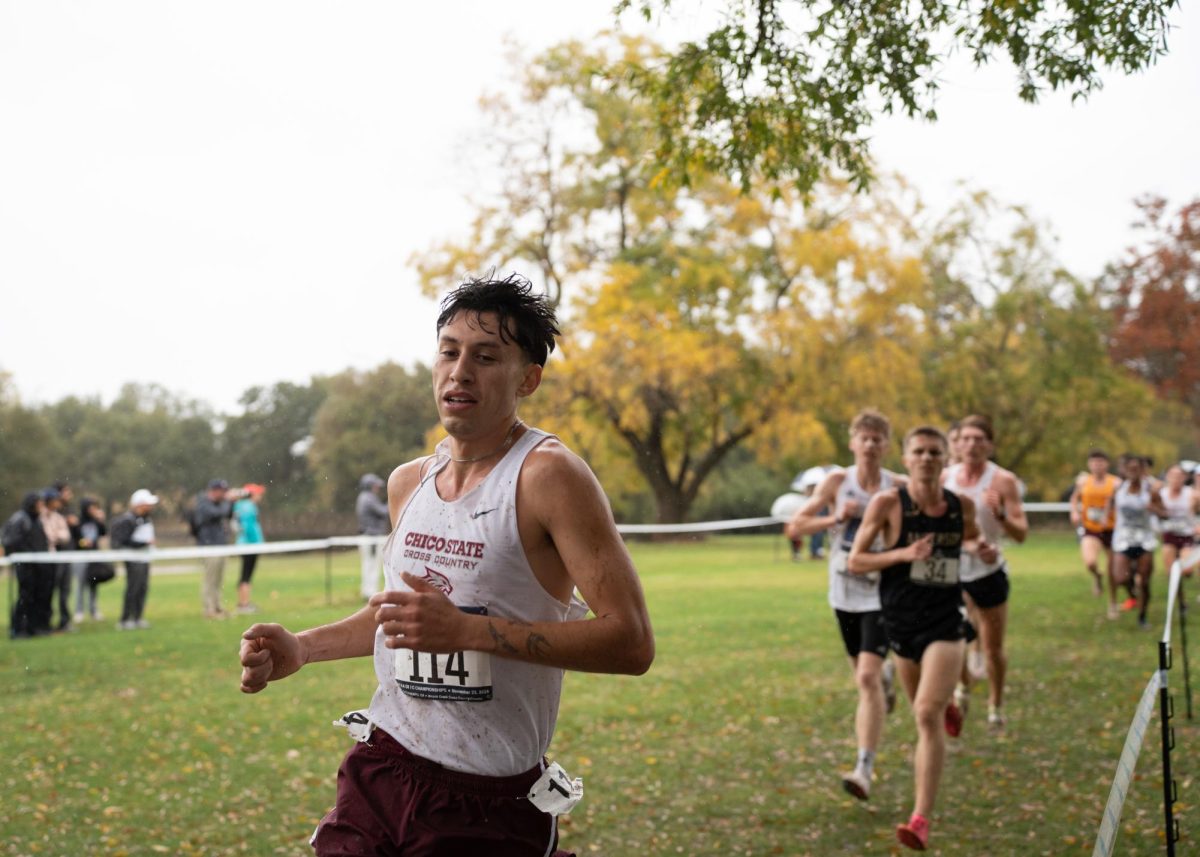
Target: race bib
841	566
1178	526
1097	514
935	571
453	676
1139	537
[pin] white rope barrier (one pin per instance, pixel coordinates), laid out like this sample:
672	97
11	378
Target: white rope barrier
700	527
198	552
1106	837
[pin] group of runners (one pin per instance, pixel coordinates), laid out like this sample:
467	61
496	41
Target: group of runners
503	533
1120	516
916	569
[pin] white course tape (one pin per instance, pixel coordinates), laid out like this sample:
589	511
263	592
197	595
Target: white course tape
158	554
198	552
1173	583
700	527
1106	836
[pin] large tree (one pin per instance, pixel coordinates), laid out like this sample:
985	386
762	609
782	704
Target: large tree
1154	292
714	319
28	445
786	89
369	422
1016	337
147	438
264	443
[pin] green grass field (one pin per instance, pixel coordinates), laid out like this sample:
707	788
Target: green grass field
140	742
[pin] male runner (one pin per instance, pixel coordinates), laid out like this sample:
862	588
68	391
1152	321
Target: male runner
1093	514
955	456
477	621
1181	502
931	531
855	598
996	494
1134	541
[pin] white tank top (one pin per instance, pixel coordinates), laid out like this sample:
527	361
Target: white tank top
971	567
853	593
1180	519
470	711
1133	510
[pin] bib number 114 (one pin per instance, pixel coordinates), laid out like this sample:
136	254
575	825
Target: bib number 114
459	676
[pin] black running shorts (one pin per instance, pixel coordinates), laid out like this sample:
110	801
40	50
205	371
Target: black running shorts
863	632
990	591
912	645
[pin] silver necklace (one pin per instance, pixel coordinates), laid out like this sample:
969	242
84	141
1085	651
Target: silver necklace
502	446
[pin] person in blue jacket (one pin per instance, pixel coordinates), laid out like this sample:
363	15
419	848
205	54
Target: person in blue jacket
249	532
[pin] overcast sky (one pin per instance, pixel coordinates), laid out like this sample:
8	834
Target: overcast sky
214	195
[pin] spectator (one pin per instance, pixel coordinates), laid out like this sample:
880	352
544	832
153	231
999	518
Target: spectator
210	525
87	534
66	572
23	533
133	528
373	520
58	534
249	530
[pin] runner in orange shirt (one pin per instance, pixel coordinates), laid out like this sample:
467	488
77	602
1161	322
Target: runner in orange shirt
1094	516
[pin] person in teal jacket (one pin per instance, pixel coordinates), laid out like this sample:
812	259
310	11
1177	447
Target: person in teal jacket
249	530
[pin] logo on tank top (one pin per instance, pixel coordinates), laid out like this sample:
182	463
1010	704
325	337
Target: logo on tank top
438	581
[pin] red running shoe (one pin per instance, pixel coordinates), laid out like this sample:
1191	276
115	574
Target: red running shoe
915	834
954	720
1129	603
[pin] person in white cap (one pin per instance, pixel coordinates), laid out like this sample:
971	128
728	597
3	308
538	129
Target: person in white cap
134	528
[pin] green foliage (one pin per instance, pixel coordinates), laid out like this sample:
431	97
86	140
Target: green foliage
27	444
139	743
148	438
742	487
369	422
1020	340
785	90
707	318
259	443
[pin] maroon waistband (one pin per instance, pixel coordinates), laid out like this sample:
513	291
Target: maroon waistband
516	786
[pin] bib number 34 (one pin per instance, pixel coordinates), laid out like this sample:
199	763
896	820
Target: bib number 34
935	571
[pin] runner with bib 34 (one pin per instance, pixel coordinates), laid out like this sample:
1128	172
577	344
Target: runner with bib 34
930	531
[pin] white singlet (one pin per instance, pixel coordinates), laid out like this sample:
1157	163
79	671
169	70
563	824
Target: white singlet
470	711
1181	517
853	593
971	567
1134	528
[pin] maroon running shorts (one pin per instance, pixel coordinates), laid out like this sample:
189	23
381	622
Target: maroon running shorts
1179	541
392	802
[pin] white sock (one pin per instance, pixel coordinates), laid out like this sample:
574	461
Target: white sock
866	763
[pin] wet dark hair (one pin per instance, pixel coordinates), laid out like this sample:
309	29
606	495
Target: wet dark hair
525	318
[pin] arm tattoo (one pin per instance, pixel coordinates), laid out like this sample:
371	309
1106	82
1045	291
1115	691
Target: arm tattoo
502	644
538	646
